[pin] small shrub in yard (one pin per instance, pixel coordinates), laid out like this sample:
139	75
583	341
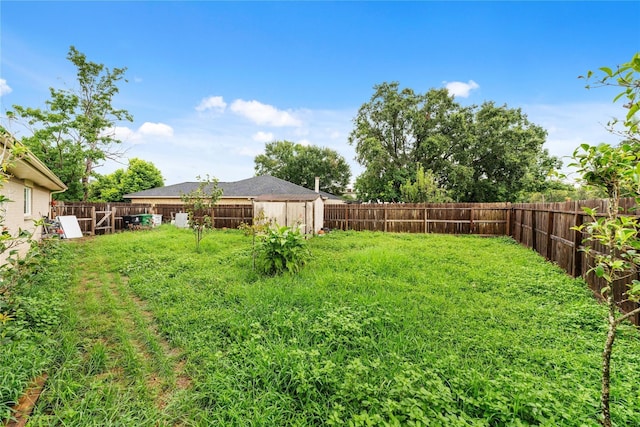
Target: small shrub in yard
282	249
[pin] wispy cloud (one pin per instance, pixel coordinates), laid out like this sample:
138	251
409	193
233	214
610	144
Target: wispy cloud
263	136
249	151
461	89
264	114
4	87
569	125
213	103
146	132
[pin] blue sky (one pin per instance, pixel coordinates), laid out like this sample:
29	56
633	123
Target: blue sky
211	82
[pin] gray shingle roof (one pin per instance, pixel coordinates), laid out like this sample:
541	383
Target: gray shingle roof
249	188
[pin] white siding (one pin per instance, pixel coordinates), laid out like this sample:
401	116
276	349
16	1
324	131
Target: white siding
14	210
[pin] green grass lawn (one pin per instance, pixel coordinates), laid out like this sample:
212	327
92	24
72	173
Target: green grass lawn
377	329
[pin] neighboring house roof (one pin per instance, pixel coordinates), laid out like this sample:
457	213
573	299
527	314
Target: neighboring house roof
247	188
29	167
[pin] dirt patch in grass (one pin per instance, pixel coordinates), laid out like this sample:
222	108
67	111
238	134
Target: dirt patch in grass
25	405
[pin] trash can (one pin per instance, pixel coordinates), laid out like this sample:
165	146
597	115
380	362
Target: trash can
131	222
145	219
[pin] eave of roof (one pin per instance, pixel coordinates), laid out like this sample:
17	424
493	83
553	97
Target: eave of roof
31	168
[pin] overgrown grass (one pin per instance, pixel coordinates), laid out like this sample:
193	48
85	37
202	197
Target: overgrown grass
28	337
377	329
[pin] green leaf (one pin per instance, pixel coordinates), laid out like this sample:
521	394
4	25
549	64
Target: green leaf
607	70
599	271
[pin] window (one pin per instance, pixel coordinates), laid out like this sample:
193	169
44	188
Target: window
27	201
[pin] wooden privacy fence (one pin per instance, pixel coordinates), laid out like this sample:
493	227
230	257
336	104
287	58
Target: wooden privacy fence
547	229
99	218
104	218
224	216
486	219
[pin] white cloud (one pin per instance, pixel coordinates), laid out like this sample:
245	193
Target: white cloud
4	87
305	142
156	129
215	103
263	114
263	136
122	133
461	89
144	133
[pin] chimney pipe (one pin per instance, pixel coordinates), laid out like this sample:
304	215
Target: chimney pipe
317	189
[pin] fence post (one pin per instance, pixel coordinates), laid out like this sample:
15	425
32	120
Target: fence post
346	216
508	226
93	220
522	212
577	256
426	229
534	243
113	220
384	215
549	234
470	220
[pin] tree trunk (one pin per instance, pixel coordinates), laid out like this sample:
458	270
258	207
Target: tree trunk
606	361
85	179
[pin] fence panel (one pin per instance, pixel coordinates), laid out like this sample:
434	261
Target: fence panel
231	216
224	216
168	211
488	219
554	223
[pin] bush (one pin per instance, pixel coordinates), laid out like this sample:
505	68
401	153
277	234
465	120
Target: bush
282	249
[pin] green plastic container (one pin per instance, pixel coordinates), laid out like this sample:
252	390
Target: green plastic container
145	219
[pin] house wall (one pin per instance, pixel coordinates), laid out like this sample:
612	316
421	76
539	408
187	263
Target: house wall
334	202
15	218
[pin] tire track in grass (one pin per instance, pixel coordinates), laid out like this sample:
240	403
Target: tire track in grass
121	354
168	375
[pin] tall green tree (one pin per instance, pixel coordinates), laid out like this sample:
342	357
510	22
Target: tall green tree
139	175
506	156
480	154
300	165
72	135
